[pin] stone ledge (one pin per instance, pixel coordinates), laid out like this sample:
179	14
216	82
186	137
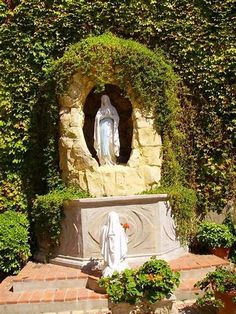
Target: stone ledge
118	200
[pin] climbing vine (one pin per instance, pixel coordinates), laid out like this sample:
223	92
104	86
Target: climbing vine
198	38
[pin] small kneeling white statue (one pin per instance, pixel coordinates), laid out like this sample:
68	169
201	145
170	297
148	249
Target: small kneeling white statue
113	242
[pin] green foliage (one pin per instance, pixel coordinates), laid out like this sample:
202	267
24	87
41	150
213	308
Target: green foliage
11	194
154	83
123	287
133	65
152	282
198	37
159	281
183	203
215	235
221	280
47	213
14	246
230	221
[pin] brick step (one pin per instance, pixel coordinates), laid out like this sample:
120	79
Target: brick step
48	276
62	283
192	266
49	288
72	300
187	291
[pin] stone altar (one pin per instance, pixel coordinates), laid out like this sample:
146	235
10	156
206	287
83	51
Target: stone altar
151	232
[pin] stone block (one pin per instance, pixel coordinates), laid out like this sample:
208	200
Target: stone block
83	159
160	307
151	175
148	137
66	101
74	91
66	142
65	118
73	132
77	118
127	179
144	122
134	159
95	182
151	156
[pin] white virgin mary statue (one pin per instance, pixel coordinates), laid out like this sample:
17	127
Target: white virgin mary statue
113	243
106	135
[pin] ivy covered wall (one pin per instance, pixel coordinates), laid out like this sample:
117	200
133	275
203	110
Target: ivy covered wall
198	37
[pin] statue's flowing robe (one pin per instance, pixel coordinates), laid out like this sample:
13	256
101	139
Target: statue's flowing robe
113	242
106	134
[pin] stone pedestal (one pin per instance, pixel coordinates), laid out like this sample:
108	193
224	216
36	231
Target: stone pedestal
151	232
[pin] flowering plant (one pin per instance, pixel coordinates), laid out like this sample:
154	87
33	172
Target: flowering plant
153	281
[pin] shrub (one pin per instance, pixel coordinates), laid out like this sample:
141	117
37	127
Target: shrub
215	235
183	203
47	212
153	282
14	246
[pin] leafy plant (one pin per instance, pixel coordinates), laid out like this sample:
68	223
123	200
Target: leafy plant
152	282
123	287
215	235
221	280
14	246
47	212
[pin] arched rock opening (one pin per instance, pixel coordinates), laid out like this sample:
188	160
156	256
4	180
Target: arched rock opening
124	109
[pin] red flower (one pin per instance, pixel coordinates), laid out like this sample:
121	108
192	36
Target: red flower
125	225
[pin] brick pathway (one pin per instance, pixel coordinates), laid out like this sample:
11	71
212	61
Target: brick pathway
49	277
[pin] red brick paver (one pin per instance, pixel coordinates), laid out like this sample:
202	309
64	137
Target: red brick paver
192	261
48	272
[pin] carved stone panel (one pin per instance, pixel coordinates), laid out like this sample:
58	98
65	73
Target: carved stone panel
151	229
141	234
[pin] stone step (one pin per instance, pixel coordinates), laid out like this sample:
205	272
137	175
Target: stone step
190	307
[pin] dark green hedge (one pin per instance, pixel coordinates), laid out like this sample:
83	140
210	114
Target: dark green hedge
14	236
